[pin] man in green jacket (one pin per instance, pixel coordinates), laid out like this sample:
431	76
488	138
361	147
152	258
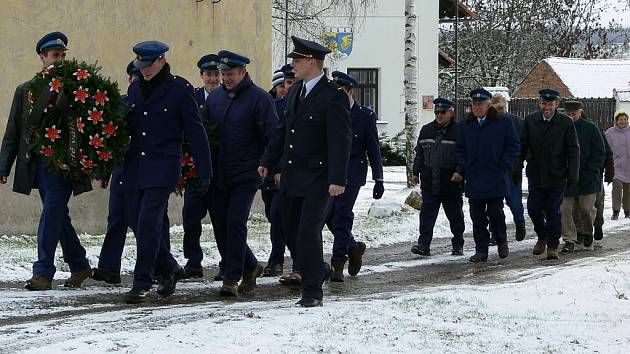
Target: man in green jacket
582	196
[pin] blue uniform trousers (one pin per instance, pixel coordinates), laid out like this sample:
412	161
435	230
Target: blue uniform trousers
232	207
339	222
146	215
515	202
452	204
271	198
543	207
55	225
483	211
195	209
303	219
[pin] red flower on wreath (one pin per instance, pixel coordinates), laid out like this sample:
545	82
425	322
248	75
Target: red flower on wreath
80	125
81	94
47	151
101	97
52	133
96	141
109	129
29	96
187	160
192	173
104	155
55	85
88	163
46	71
82	155
81	74
95	116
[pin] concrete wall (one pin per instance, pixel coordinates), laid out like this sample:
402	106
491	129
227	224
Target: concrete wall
106	30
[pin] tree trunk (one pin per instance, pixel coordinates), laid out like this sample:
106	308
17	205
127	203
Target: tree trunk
411	89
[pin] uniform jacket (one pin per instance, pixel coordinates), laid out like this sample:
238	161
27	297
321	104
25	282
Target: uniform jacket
157	126
15	147
436	158
312	146
551	149
364	140
486	155
268	183
619	140
200	96
246	119
592	154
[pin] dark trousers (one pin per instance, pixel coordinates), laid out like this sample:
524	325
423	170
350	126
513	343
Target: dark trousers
515	202
271	198
543	207
339	222
482	212
303	219
55	225
146	215
195	209
599	204
453	208
232	207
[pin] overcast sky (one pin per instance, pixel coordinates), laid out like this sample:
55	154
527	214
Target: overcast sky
618	10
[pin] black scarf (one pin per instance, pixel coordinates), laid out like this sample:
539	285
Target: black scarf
147	87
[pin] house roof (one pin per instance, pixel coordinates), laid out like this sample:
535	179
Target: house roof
622	94
448	10
591	78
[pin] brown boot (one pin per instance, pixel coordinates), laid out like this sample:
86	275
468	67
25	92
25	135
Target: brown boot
229	288
249	279
76	279
337	266
540	246
37	283
552	253
355	259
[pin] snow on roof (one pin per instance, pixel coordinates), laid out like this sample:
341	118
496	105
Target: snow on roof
591	78
622	94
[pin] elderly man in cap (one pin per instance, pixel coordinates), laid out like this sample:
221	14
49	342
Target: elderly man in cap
340	217
197	206
54	188
162	109
550	145
245	116
312	149
487	146
581	196
433	167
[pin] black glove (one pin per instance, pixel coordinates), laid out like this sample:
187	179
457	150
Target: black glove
200	185
517	177
378	190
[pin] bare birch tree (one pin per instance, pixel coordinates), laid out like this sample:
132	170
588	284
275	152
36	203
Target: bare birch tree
411	89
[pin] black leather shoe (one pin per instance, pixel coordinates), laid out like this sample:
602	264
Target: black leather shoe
421	251
457	251
598	234
479	257
106	275
520	231
192	272
588	240
493	241
135	296
503	250
272	270
308	302
355	259
167	286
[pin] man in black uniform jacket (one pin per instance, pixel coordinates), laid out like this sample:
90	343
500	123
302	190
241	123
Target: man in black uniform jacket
311	149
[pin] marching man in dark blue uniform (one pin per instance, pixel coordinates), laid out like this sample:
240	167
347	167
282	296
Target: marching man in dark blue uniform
245	117
197	206
487	147
311	149
434	166
54	188
162	108
340	217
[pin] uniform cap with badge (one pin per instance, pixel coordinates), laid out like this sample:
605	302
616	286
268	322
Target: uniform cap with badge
549	94
343	79
307	49
229	60
52	40
208	62
480	94
442	105
147	52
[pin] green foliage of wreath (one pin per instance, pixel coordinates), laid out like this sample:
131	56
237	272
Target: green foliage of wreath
87	136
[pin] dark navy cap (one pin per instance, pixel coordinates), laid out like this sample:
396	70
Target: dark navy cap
52	40
572	106
549	94
343	79
307	49
287	70
147	52
132	70
480	94
208	62
229	60
442	104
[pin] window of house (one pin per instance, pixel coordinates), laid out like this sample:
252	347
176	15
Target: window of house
366	93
